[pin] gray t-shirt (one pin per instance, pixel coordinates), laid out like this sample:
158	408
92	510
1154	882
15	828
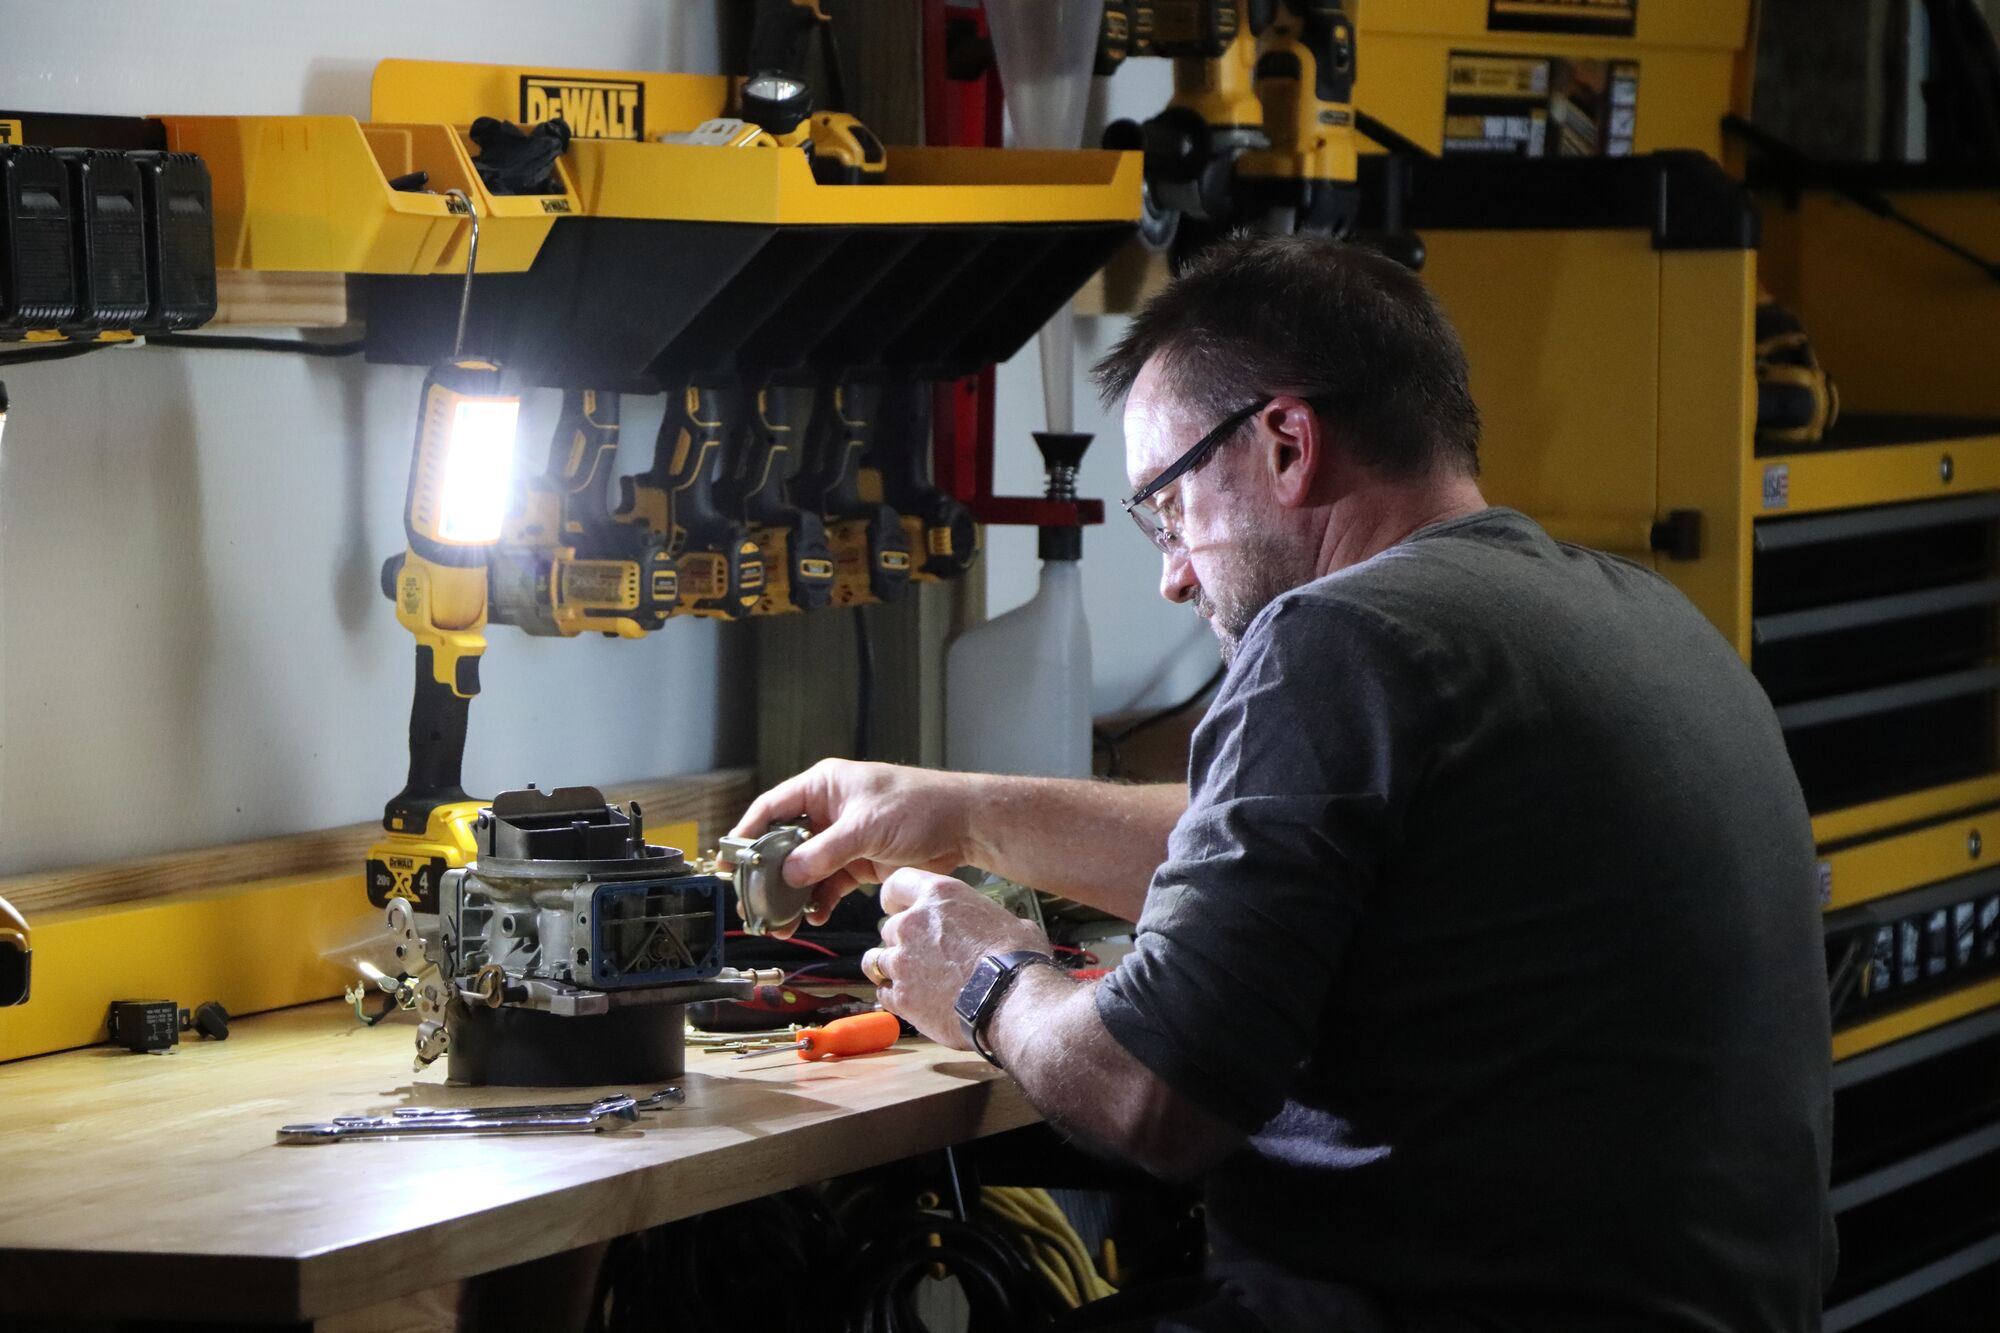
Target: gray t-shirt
1493	920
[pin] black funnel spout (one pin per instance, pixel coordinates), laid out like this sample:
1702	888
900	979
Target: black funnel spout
1062	453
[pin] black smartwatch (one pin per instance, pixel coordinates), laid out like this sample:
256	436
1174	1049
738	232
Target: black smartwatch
982	994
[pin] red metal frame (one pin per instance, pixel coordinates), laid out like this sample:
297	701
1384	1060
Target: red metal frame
966	113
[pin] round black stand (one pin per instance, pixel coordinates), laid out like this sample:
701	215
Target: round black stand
528	1048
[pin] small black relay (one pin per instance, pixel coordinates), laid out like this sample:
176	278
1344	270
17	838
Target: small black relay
144	1025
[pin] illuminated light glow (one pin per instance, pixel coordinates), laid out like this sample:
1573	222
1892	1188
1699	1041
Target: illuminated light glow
478	470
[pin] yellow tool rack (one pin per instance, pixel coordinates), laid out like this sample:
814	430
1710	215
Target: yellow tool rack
656	259
686	258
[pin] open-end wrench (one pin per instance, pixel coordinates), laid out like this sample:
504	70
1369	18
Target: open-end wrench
664	1099
602	1116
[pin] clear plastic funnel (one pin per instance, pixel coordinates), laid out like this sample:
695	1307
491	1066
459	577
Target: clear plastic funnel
1045	49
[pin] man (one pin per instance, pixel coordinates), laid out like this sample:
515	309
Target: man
1478	969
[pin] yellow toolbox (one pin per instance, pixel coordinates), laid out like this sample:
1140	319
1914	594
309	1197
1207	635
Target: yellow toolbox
1584	77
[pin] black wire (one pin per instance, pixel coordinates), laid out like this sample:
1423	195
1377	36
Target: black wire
1172	710
54	352
1109	741
215	342
1879	204
230	342
1388	136
1100	739
1001	1291
864	670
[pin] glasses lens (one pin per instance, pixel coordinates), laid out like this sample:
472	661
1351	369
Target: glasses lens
1153	523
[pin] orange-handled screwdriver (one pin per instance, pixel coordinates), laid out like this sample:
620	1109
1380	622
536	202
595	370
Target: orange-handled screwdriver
856	1034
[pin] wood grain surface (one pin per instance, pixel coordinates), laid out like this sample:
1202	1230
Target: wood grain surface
258	299
150	1186
713	799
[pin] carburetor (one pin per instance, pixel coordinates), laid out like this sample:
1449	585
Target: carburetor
564	954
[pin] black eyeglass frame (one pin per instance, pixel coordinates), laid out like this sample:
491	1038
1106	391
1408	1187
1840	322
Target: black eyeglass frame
1135	504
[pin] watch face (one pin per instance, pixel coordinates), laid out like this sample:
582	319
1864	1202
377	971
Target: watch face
976	988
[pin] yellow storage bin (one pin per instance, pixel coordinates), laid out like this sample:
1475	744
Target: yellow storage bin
928	186
311	194
512	226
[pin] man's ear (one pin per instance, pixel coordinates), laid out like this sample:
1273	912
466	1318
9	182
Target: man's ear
1294	449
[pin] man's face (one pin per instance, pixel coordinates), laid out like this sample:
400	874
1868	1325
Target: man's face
1231	554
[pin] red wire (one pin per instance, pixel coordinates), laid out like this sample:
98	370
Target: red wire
803	944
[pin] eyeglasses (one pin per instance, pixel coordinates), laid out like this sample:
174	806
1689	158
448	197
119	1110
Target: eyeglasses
1147	515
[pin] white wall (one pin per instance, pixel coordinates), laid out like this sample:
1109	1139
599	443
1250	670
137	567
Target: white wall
1146	651
193	645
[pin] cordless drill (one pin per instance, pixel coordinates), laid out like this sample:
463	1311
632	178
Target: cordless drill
563	566
871	552
679	498
798	567
942	537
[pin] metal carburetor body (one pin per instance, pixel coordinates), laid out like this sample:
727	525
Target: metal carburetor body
566	952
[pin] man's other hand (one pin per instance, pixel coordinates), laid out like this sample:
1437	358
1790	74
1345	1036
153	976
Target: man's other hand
935	934
868	821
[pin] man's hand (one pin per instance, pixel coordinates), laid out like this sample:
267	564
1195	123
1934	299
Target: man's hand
868	821
936	932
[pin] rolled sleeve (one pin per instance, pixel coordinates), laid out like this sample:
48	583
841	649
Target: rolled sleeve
1301	773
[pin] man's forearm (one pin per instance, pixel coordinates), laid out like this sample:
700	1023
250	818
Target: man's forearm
1048	1035
1096	842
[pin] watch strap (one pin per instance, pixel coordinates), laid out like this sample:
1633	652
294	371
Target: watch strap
981	996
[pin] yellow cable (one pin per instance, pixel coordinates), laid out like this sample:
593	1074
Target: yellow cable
1040	1207
1046	1259
1052	1239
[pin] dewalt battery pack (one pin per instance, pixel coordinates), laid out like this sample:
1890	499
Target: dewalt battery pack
180	241
110	230
37	264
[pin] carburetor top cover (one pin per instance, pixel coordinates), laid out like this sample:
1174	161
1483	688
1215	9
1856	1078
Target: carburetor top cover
566	889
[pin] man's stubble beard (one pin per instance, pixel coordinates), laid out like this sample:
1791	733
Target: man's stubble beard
1252	573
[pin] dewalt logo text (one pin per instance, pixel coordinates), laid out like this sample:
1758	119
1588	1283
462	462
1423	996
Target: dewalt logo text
594	108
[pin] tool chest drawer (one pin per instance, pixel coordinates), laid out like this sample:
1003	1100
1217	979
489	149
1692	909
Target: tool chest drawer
1916	1181
1873	631
1907	947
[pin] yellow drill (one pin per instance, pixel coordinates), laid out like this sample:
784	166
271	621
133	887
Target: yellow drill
563	566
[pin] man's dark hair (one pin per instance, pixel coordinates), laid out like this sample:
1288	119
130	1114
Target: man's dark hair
1349	330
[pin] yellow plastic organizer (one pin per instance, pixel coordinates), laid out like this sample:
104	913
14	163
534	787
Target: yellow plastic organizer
311	194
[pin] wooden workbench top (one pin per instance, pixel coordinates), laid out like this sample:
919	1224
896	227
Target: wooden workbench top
150	1185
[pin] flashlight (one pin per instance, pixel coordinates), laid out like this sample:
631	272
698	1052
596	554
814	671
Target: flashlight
461	478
